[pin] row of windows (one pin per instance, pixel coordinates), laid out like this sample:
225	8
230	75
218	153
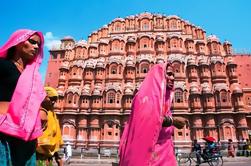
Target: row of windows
222	97
111	98
173	43
158	24
144	42
144	68
179	97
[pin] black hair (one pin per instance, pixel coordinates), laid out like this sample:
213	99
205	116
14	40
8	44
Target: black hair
10	53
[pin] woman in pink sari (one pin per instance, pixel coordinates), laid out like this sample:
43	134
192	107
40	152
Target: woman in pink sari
147	138
21	93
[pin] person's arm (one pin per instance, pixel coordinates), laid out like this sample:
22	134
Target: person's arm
167	121
44	117
179	122
4	105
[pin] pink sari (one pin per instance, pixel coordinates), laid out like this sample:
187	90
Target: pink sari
22	119
144	141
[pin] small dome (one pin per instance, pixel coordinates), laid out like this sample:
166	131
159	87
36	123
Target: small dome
220	86
203	61
194	89
100	64
131	40
160	39
191	62
97	90
231	62
118	19
86	90
227	43
105	26
206	88
89	65
212	38
93	45
128	91
104	41
60	93
235	87
173	16
81	43
160	59
129	63
68	38
64	65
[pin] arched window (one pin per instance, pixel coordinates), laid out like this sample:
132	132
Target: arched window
111	97
214	46
173	24
118	98
114	69
218	67
176	67
145	26
69	98
223	96
178	96
248	99
174	43
75	99
117	28
74	71
66	130
116	45
144	68
110	124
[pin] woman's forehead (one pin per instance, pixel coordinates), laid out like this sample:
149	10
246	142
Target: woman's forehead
35	37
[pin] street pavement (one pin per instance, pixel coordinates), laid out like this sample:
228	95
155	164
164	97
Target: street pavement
236	161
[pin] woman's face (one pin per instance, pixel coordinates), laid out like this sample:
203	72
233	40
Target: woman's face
169	77
29	48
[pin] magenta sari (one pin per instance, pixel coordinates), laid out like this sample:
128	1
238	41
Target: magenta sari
22	119
144	141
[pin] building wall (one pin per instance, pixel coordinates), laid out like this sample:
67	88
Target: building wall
52	74
98	78
244	65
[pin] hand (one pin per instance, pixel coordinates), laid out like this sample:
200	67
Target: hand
167	121
179	122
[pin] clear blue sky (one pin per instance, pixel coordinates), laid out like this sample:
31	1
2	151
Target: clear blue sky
227	19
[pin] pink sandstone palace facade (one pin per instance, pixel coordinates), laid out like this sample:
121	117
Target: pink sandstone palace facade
96	80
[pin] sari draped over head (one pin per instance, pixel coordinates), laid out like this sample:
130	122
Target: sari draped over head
144	141
22	118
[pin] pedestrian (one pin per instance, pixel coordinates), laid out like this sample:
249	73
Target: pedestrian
147	137
241	146
68	153
197	150
51	140
21	93
231	148
247	148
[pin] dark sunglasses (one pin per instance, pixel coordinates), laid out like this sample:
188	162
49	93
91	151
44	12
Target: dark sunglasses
33	42
53	99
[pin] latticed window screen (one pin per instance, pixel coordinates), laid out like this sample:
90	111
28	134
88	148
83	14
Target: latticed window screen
114	70
178	96
111	97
